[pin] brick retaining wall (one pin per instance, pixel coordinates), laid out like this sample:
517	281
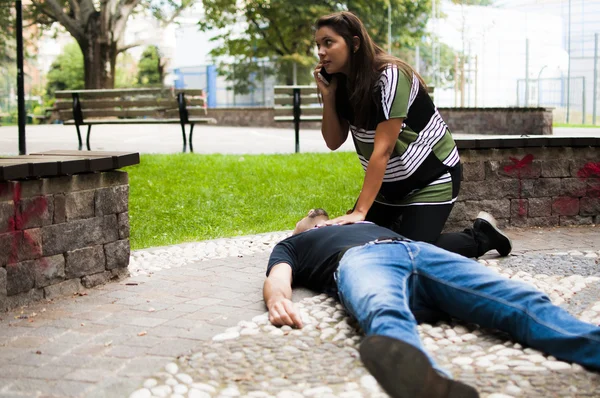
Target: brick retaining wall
530	187
60	234
489	121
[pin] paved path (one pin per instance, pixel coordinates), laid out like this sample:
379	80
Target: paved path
113	340
207	139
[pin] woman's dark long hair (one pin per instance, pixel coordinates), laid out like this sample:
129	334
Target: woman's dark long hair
366	64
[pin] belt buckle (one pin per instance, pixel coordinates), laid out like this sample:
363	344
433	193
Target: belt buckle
387	239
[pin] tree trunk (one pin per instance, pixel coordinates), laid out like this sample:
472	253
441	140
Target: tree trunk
98	59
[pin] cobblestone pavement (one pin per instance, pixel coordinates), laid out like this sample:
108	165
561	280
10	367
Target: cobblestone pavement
190	322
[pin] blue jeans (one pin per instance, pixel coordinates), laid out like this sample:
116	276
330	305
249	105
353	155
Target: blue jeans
382	285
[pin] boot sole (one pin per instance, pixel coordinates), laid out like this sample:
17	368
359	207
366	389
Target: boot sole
403	371
490	226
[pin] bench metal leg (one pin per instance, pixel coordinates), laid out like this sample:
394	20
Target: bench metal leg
191	132
87	140
79	137
184	140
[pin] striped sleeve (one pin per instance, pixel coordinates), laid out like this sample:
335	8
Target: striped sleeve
396	93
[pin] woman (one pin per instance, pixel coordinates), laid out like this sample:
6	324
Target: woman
412	166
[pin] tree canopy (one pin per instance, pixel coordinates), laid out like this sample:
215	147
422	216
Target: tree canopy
150	68
282	31
99	27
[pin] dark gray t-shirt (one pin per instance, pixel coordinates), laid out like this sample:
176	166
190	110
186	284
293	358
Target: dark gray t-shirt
314	254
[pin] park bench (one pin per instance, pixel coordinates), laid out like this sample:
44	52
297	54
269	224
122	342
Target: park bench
300	104
133	106
297	104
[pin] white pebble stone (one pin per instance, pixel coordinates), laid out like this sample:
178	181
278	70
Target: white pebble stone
518	362
351	386
484	363
171	368
249	332
289	394
317	391
261	319
468	337
450	333
141	393
184	378
246	324
226	336
230	392
577	367
180	389
496	368
461	329
149	383
350	394
171	382
193	393
258	394
556	365
498	395
462	361
509	352
513	390
204	387
536	358
176	396
286	328
531	368
368	382
161	391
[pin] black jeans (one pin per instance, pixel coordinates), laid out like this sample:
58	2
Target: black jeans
425	223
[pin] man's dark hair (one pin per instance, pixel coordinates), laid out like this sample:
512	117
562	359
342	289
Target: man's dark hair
317	212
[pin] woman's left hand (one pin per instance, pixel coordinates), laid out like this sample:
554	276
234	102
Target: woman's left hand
346	219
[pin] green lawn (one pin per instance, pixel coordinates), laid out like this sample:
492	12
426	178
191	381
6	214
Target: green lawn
574	125
188	197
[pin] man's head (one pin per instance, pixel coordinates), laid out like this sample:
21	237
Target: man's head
313	217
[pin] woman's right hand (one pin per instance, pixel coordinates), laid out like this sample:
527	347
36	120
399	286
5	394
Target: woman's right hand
325	89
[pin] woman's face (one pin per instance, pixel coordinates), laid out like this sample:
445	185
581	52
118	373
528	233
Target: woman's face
334	53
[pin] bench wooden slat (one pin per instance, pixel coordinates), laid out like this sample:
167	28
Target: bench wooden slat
13	171
112	93
289	100
289	90
304	111
304	118
167	103
203	120
36	167
118	159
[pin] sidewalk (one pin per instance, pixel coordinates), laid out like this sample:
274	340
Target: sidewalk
117	339
165	138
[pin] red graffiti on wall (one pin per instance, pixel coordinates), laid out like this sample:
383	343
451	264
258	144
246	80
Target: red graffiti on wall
36	208
570	205
517	167
588	171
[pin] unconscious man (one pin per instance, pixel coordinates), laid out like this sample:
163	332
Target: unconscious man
389	283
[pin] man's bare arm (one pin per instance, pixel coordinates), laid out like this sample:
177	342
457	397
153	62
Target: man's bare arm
277	293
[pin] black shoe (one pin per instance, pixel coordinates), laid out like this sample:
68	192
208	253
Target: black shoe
405	372
486	224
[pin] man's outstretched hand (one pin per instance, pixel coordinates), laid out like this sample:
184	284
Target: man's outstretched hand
283	312
346	219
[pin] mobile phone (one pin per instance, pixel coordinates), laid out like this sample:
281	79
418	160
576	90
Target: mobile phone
325	77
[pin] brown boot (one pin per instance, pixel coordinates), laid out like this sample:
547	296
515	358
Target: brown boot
404	371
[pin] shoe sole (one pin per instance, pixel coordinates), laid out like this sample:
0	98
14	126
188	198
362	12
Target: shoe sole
489	223
403	371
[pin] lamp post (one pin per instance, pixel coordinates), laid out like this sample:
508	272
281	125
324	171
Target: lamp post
538	84
20	80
